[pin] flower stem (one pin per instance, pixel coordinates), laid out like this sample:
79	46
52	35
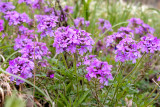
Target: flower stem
153	100
133	68
64	61
75	70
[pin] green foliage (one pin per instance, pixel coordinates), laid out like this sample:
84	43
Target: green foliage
14	101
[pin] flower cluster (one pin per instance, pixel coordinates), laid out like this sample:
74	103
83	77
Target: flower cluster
115	38
140	27
80	22
36	50
72	40
68	9
98	69
37	4
104	25
127	50
25	31
149	44
16	18
1	25
21	42
46	24
21	67
6	6
25	1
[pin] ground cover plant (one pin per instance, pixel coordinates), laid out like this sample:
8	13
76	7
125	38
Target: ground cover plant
82	53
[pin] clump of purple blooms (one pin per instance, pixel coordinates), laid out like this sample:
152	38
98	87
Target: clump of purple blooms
6	6
16	18
26	32
149	44
98	69
46	24
25	1
80	22
72	40
104	25
127	50
140	27
36	50
68	9
1	25
21	42
21	67
37	4
115	38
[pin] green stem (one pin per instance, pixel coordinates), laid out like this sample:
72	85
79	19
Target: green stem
133	68
116	90
118	70
64	61
75	70
119	67
152	100
107	94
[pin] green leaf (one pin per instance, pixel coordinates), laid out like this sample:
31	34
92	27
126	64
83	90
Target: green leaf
82	98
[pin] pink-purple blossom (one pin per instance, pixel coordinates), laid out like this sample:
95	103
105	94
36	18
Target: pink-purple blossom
21	42
80	22
6	6
104	25
127	50
21	67
36	50
46	24
25	1
16	18
68	9
98	69
140	27
72	40
149	44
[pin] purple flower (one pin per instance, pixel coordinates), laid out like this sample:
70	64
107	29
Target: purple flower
115	38
134	22
25	1
99	70
140	27
6	6
67	39
36	50
127	31
1	25
104	25
48	10
79	22
21	67
149	44
25	31
127	50
46	24
50	74
37	4
16	18
68	9
21	42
